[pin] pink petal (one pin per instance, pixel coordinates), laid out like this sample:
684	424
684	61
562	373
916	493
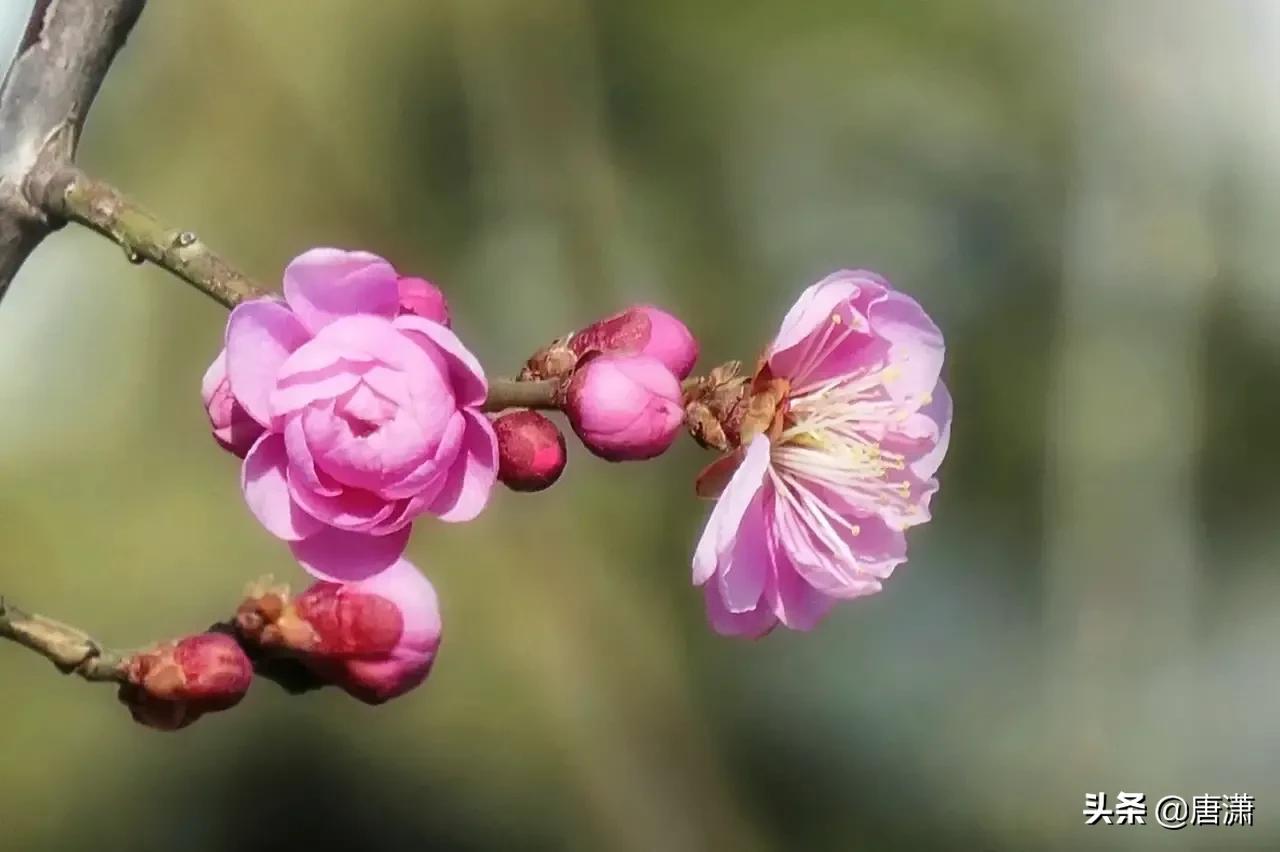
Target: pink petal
465	373
820	553
302	466
743	571
213	377
916	347
326	284
795	603
466	491
939	410
370	460
879	547
429	477
260	337
264	482
751	624
812	309
811	316
343	557
351	509
297	394
374	339
726	516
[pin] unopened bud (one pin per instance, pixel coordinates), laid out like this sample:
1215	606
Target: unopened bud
233	428
624	408
531	451
376	638
175	683
641	330
424	299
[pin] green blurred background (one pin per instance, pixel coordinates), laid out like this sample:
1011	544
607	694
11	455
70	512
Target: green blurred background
1085	196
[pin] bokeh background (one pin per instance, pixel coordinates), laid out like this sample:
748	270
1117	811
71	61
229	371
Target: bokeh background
1086	197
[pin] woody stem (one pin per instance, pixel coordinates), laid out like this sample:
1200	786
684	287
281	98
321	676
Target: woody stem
72	650
72	195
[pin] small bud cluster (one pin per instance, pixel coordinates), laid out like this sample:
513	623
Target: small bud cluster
620	391
375	639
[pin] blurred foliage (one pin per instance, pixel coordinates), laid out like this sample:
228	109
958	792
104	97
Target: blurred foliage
547	162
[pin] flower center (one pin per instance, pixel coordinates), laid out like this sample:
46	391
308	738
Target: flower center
833	435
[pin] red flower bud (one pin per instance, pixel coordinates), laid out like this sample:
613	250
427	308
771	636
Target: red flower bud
175	683
531	451
375	638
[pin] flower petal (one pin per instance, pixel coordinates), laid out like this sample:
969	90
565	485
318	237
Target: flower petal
726	516
264	481
751	624
465	373
429	477
261	335
302	466
796	604
916	347
342	557
818	551
939	410
325	284
351	509
808	336
746	566
471	478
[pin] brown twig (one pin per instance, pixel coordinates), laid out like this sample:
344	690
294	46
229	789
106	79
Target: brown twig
72	195
72	650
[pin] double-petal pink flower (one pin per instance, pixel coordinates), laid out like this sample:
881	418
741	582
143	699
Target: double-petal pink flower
859	421
370	414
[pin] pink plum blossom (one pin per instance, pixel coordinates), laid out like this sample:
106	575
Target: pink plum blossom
858	422
641	330
370	416
624	407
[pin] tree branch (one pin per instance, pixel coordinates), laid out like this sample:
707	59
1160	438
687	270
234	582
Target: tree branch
71	194
508	393
73	651
44	97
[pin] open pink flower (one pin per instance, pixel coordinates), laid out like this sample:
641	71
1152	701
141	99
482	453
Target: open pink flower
370	417
856	422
